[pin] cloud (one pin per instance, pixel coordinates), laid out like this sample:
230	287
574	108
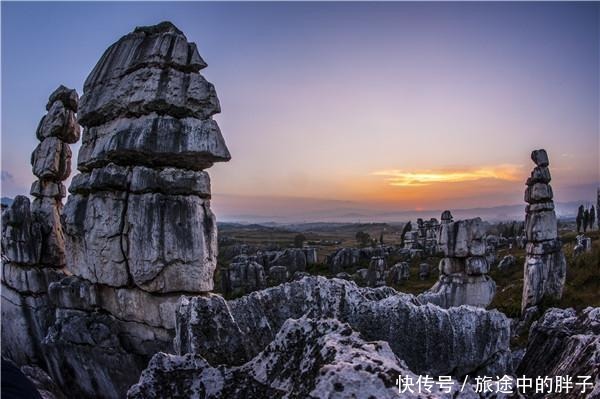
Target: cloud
6	176
403	178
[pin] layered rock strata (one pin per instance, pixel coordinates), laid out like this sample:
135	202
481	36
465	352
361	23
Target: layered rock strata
545	264
463	270
139	230
456	341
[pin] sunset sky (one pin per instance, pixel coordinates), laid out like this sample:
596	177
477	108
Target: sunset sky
385	106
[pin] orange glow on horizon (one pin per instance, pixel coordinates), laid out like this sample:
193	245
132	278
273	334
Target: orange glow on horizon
400	178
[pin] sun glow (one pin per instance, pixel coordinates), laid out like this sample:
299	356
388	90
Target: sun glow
402	178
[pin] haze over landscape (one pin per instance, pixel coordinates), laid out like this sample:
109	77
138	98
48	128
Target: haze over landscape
349	112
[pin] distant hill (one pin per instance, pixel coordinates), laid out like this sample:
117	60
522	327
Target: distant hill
566	210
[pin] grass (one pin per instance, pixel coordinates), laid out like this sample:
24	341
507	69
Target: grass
582	287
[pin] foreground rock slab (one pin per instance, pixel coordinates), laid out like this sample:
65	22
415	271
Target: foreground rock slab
307	359
431	340
564	342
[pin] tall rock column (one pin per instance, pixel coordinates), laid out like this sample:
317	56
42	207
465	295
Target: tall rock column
545	265
33	251
139	230
51	162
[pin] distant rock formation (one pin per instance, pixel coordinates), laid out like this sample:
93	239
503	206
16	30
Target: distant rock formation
545	265
463	270
431	340
242	278
139	230
33	245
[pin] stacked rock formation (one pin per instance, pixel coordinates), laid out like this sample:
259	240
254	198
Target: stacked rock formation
139	230
33	251
463	270
51	163
545	265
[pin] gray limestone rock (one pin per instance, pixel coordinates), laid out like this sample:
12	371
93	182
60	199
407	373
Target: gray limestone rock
94	244
564	342
311	255
59	122
154	140
461	289
171	242
242	278
429	339
94	354
51	159
278	275
68	97
126	304
545	264
147	90
170	181
21	234
293	259
48	188
47	212
462	238
540	158
46	387
538	192
161	45
307	358
26	312
111	177
544	277
463	276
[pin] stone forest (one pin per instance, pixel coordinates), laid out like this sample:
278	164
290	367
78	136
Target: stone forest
127	289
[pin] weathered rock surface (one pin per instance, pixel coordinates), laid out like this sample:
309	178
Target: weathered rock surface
60	122
46	387
429	339
242	278
278	275
94	354
463	271
21	234
545	264
154	140
51	159
565	343
138	226
306	359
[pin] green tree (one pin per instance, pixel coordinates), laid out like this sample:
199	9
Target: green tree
363	239
299	240
579	218
381	238
592	217
585	221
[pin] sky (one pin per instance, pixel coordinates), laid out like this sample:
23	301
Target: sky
346	107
